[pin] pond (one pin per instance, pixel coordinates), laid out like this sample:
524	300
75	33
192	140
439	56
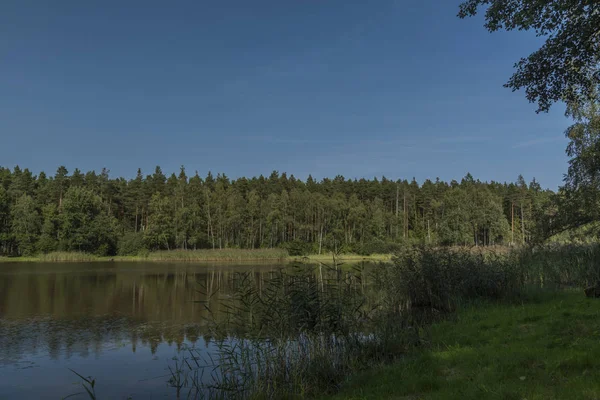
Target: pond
121	323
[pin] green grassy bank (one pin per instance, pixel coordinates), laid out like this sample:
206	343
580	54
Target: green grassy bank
545	348
225	255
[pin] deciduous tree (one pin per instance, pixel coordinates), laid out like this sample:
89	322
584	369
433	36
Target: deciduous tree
566	66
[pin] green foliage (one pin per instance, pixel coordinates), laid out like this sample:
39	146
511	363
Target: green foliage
455	227
131	244
84	224
298	248
584	234
473	214
4	217
26	224
159	232
104	235
565	67
579	199
48	239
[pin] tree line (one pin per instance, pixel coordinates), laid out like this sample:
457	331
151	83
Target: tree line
96	213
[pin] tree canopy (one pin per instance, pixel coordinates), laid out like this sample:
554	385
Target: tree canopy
98	214
566	66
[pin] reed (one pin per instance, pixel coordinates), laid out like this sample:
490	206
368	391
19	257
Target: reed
301	333
225	255
572	265
218	255
63	256
439	279
88	384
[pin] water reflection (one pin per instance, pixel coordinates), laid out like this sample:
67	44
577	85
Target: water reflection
120	323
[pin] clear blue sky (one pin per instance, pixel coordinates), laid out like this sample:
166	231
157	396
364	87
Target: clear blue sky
396	88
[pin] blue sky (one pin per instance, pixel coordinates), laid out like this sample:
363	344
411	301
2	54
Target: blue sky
396	88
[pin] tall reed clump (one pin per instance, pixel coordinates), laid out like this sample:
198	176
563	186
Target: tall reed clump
573	265
300	333
219	255
65	256
439	279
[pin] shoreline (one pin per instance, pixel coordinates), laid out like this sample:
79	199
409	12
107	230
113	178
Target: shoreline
216	258
342	258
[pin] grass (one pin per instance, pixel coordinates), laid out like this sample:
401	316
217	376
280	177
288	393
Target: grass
160	256
224	255
57	256
548	348
63	256
218	255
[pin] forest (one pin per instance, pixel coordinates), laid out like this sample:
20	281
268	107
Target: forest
95	213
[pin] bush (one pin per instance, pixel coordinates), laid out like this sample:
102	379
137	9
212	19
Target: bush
131	244
104	249
298	248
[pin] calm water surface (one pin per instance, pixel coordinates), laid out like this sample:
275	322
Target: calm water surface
121	323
